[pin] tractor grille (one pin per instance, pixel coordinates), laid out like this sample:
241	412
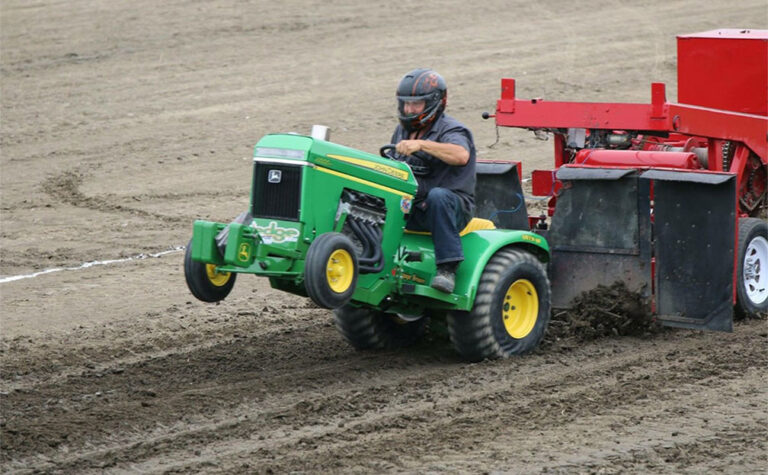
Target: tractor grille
276	191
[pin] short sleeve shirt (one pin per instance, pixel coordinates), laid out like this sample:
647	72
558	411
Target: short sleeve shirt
459	179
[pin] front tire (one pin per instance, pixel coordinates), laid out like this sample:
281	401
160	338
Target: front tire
511	310
204	281
330	270
752	275
368	329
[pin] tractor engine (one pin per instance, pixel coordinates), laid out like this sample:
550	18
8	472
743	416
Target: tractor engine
365	217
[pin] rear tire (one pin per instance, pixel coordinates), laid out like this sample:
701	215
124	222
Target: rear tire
330	270
752	274
204	281
368	329
511	310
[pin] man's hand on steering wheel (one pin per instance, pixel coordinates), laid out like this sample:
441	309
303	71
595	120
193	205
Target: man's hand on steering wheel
388	151
408	147
418	161
392	152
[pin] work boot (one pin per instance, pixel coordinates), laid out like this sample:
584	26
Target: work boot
445	280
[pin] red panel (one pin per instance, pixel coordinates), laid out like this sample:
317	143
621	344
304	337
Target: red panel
544	183
724	69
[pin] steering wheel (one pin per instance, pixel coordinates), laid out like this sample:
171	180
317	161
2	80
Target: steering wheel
388	151
420	162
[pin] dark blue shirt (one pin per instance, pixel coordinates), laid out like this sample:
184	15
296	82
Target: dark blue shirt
459	179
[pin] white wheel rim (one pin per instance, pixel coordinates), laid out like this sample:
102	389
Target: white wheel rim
755	274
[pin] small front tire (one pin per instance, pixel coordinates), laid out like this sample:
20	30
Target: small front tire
204	281
330	270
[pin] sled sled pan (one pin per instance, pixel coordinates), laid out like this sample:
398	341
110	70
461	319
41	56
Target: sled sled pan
603	232
694	231
600	233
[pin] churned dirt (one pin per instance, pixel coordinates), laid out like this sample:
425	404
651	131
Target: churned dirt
122	122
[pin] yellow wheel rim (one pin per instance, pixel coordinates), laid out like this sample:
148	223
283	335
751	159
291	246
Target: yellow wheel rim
340	270
520	308
219	279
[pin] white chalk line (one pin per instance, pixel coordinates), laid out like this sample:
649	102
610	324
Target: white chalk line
87	265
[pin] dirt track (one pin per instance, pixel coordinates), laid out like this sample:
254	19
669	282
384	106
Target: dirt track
124	122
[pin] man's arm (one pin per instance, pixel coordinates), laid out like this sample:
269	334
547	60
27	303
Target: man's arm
450	153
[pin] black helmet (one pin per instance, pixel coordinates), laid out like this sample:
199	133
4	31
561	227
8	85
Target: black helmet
421	85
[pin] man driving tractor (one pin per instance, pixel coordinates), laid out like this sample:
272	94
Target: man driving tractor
346	228
444	165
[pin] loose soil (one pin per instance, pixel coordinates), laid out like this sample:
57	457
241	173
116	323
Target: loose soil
123	122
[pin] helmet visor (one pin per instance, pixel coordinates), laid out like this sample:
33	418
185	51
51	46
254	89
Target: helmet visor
412	108
416	112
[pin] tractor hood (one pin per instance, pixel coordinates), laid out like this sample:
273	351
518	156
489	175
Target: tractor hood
352	164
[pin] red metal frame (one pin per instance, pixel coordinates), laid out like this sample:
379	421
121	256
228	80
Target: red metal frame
658	116
684	124
680	125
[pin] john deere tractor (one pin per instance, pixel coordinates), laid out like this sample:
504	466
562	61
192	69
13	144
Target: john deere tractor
328	222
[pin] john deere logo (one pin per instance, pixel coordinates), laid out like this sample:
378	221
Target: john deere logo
275	176
244	253
528	237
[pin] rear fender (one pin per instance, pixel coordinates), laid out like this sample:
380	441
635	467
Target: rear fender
480	246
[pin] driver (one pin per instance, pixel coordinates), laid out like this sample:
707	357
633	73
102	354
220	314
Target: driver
445	200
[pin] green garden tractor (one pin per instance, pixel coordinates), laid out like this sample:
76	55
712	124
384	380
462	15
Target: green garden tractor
328	222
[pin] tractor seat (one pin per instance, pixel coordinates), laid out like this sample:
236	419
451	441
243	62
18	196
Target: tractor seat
475	224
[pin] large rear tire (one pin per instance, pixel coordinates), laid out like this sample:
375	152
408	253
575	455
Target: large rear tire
204	281
368	329
511	310
330	270
752	274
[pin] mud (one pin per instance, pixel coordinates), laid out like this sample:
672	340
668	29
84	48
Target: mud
602	312
122	123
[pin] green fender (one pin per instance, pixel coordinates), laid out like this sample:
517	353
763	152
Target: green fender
480	246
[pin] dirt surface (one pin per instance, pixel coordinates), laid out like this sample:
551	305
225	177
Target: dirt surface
122	122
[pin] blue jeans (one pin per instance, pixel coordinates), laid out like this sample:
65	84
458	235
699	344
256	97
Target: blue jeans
441	214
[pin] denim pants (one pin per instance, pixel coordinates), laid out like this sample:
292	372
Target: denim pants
441	214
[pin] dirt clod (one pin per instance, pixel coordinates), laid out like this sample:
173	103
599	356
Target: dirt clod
604	311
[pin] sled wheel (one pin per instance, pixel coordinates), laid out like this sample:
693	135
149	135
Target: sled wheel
204	281
330	270
511	309
366	328
752	274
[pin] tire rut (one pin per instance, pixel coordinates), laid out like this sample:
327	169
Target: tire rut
290	399
65	188
471	418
